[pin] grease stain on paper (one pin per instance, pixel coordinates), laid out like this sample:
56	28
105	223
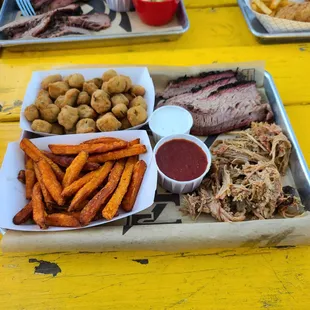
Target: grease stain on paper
45	267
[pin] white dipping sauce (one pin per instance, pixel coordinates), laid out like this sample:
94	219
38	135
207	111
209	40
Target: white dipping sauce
170	120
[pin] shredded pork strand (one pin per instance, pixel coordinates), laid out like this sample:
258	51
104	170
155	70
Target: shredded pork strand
245	180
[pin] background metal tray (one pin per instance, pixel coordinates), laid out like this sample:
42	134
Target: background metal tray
258	30
10	9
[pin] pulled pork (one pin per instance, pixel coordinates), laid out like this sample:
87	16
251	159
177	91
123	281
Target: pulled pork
245	180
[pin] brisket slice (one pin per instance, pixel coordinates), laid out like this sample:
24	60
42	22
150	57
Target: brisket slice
63	30
186	84
55	4
34	26
188	99
39	3
230	107
92	22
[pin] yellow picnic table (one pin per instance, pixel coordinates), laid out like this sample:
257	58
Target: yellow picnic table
243	278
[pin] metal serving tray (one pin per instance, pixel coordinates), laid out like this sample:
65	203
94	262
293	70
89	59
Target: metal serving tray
298	165
10	10
261	34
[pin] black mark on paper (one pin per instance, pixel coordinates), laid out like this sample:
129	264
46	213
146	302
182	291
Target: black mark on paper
148	219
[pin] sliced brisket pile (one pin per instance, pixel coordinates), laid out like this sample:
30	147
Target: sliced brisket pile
59	22
218	101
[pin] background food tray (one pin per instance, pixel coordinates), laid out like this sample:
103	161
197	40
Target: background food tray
258	30
121	22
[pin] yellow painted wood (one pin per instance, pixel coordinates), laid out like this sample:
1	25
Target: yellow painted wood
208	3
210	279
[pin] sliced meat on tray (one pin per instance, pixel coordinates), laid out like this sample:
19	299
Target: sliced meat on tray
39	3
33	26
43	6
92	22
222	104
189	99
64	30
56	23
187	83
230	107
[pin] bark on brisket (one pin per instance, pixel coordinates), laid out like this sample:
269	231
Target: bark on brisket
43	6
188	98
92	22
187	84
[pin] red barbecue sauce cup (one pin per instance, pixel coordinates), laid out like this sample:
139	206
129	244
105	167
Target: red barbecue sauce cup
156	13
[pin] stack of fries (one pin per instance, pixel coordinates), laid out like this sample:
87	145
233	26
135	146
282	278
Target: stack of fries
100	176
268	7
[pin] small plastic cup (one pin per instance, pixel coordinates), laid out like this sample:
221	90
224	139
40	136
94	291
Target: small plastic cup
120	5
170	120
181	187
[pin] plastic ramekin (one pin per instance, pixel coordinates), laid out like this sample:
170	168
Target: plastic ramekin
180	187
120	5
170	120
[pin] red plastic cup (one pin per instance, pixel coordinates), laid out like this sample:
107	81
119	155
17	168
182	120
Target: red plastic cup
156	13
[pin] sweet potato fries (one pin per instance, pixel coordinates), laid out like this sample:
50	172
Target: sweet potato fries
73	185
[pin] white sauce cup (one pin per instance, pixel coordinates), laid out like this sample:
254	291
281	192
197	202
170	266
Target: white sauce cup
170	120
175	186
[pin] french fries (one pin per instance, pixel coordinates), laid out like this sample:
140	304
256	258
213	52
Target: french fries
65	161
48	199
22	176
102	140
78	184
263	7
30	177
38	212
23	215
109	140
91	186
274	4
73	171
50	181
134	142
73	198
63	149
133	150
35	154
134	187
62	220
268	7
29	164
94	205
30	181
112	206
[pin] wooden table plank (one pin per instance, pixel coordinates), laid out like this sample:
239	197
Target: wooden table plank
209	3
220	279
285	67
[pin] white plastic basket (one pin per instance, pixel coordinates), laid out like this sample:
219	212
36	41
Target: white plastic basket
279	25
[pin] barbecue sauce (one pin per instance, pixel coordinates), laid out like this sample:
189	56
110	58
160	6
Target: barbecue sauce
181	160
